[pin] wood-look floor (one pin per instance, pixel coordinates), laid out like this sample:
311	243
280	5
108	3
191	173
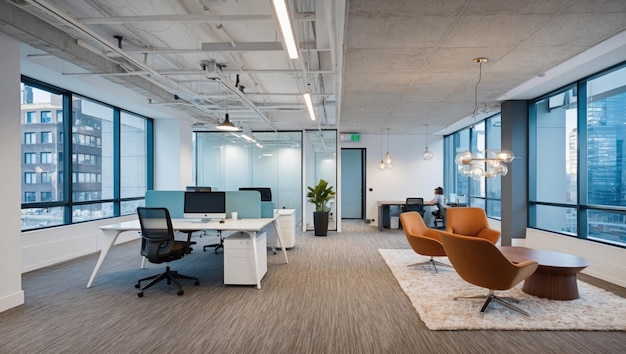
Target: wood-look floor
335	296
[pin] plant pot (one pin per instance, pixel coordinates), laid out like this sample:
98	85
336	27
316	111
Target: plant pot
320	223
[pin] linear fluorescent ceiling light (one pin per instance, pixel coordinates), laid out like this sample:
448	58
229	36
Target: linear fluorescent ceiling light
284	21
309	105
248	138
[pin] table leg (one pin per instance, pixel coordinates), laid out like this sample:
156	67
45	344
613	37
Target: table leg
380	218
255	258
109	238
552	286
280	238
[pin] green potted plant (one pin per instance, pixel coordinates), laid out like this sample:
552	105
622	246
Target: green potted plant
320	195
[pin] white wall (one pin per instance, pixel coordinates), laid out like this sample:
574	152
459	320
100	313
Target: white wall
411	176
11	293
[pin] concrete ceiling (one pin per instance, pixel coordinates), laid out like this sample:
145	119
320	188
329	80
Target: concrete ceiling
369	64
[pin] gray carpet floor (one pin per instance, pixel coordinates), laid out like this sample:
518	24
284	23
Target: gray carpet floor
336	295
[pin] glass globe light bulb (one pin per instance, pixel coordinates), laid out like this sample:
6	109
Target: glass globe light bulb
427	155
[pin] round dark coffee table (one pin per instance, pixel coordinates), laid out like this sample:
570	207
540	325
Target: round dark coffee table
555	277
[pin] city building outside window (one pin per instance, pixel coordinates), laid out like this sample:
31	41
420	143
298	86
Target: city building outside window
30	197
46	137
30	138
101	172
578	135
46	157
30	117
30	177
46	116
30	158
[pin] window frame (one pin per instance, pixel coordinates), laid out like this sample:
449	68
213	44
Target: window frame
581	207
66	202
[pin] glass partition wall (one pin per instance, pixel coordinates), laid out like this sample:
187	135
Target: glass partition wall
321	163
226	161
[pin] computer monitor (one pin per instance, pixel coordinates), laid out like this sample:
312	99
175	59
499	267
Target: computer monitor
198	189
205	205
266	193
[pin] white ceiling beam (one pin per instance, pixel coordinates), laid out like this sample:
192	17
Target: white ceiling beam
176	18
256	71
234	47
242	47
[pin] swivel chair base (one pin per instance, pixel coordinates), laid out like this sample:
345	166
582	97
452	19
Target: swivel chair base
170	275
492	297
432	262
216	245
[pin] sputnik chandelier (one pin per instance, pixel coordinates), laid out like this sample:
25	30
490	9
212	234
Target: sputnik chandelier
486	163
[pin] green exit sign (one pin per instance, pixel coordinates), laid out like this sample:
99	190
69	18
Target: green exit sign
353	137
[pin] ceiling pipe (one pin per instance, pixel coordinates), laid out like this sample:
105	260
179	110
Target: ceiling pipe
153	75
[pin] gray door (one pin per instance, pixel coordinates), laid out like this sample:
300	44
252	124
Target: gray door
352	182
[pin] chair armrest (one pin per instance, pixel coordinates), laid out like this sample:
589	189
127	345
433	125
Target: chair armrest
489	234
188	242
432	233
526	269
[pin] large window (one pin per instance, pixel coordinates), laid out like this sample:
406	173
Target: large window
481	192
554	171
578	168
133	154
107	174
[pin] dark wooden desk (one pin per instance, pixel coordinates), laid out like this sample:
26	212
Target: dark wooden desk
555	278
383	212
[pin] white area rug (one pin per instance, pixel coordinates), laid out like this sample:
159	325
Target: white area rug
432	294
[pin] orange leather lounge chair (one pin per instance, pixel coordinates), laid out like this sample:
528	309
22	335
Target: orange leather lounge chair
470	222
423	241
480	262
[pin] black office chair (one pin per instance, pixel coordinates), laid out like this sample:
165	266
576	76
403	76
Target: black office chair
414	204
159	246
216	245
439	215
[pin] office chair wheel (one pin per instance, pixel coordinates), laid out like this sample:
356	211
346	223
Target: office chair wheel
140	294
180	292
137	286
196	283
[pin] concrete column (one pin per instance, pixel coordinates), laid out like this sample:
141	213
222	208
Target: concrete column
11	293
515	183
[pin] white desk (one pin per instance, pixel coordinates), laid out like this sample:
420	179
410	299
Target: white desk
251	226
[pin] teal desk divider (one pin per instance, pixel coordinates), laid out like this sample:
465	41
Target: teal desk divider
247	204
267	209
174	201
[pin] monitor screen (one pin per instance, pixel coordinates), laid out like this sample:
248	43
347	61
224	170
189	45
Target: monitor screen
198	189
266	193
205	205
